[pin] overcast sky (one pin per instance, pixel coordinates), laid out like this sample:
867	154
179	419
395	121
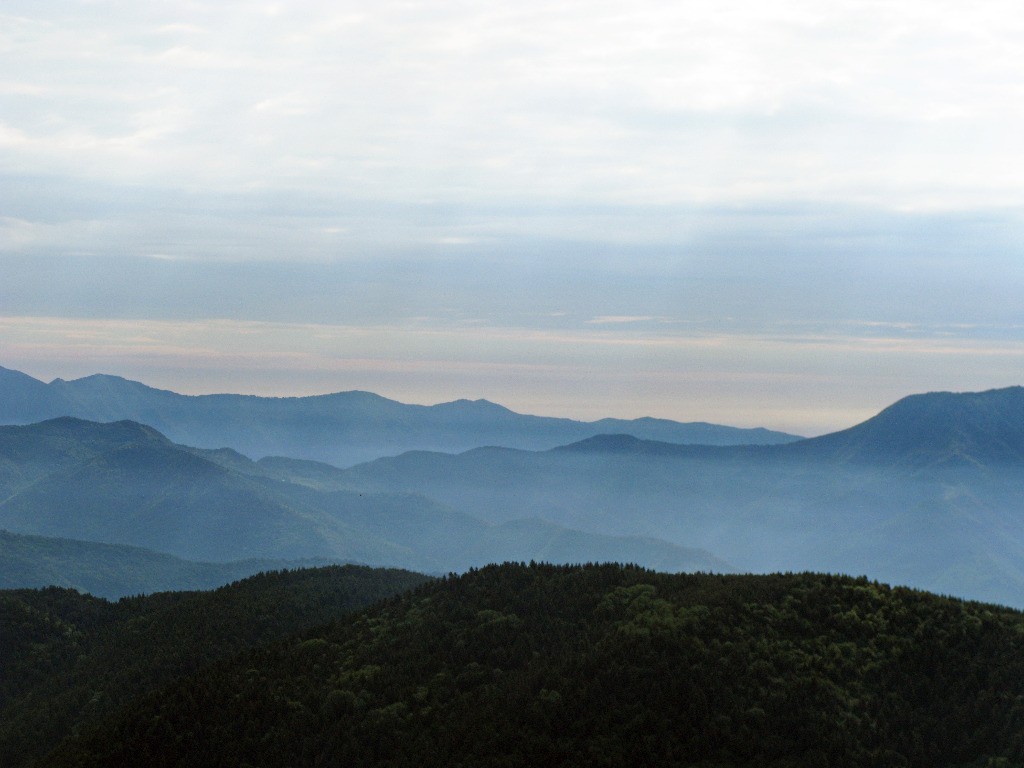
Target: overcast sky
783	214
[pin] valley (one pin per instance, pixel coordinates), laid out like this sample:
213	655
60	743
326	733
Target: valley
925	494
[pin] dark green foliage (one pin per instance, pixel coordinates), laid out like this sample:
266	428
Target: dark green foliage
68	659
605	665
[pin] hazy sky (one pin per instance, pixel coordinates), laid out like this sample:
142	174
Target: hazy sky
785	214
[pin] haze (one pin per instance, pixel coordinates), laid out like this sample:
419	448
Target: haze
784	215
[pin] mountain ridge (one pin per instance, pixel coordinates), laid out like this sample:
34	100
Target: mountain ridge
125	483
917	494
341	428
968	429
934	428
886	497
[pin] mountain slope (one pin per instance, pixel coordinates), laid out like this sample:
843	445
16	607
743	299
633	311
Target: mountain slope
29	453
939	428
917	495
164	498
26	399
342	428
123	483
966	429
604	665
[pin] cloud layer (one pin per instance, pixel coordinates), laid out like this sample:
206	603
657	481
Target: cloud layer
911	104
525	177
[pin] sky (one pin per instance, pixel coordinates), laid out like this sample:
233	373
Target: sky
785	214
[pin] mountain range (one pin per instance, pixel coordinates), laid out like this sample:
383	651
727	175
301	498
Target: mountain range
926	493
343	428
125	483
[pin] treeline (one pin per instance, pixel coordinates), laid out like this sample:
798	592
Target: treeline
608	665
67	660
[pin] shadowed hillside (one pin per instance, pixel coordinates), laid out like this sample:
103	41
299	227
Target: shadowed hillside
124	483
68	659
917	495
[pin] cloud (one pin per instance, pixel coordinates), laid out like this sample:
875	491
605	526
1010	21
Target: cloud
619	319
911	104
596	188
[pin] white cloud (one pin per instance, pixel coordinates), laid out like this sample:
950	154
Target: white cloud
619	319
720	165
650	102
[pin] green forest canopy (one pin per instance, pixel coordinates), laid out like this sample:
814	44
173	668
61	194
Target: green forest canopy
603	665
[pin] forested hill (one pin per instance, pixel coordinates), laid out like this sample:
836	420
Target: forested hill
67	659
605	665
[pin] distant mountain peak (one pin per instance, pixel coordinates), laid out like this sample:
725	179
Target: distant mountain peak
475	406
357	394
103	381
105	377
947	428
13	374
622	444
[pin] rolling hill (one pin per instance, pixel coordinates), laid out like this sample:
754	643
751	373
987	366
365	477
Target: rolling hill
124	483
